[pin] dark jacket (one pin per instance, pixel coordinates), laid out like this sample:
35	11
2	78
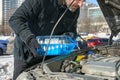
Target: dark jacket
37	17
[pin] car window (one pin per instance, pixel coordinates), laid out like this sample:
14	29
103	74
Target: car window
105	40
91	40
100	40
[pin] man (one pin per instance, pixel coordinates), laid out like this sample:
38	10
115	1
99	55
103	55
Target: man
35	18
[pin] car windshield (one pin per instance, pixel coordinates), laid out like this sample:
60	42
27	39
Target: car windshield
105	40
90	40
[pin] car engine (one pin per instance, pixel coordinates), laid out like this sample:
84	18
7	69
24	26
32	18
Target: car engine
101	63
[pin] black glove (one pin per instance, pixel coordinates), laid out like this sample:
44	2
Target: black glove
33	45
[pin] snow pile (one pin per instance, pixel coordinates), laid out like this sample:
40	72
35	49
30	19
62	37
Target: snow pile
4	37
6	67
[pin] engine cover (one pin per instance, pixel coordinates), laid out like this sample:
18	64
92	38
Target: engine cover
103	66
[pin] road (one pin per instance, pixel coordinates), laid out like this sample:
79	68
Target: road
6	67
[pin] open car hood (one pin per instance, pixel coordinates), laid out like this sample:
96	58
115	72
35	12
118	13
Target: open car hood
111	12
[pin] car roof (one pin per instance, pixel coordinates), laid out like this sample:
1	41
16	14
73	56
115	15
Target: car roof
98	38
3	41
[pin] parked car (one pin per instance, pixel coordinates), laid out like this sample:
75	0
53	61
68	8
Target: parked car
97	42
3	46
10	44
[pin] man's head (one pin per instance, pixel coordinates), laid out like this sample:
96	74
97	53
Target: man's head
75	5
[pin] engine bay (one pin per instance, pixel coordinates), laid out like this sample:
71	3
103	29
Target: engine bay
100	63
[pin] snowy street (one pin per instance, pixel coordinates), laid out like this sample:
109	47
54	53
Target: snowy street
6	67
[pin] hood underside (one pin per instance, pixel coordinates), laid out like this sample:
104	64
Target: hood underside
111	12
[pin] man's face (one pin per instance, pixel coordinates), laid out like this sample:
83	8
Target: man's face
76	4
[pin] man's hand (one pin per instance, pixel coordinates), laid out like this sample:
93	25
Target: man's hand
33	45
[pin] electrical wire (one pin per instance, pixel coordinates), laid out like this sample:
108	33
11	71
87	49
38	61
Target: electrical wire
44	56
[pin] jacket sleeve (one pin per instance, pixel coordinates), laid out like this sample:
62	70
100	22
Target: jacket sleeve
19	20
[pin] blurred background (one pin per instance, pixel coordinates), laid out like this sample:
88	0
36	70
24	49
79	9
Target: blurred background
91	19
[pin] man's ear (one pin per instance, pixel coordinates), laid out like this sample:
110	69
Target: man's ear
63	2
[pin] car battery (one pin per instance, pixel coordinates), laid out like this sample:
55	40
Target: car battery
57	45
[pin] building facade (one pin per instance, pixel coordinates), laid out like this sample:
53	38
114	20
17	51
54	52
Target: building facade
92	19
19	2
8	8
97	19
1	12
95	13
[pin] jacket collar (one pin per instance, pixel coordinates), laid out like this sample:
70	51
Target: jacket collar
62	3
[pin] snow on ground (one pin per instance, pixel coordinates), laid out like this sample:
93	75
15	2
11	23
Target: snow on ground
103	35
6	67
4	37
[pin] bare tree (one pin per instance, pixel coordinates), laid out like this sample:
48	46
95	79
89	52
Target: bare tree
84	25
100	19
5	28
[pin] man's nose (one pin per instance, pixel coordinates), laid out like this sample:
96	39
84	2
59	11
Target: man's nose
80	3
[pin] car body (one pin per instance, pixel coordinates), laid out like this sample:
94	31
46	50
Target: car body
79	65
3	46
97	42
